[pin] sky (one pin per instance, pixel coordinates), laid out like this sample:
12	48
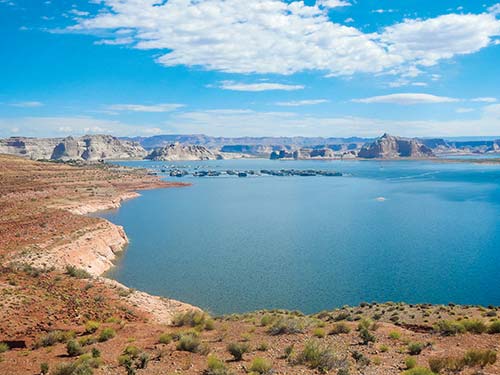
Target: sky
334	68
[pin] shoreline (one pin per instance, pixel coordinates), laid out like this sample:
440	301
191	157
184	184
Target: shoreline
92	243
101	247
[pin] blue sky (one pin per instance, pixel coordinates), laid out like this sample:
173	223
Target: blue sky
237	68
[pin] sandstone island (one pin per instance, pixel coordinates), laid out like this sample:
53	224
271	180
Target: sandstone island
60	316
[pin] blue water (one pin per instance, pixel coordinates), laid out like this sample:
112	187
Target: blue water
232	244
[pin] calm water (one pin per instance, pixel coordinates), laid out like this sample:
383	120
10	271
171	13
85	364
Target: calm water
232	244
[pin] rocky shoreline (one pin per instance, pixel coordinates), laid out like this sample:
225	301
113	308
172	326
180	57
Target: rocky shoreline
92	244
95	252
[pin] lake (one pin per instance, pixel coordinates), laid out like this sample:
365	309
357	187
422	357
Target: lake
413	231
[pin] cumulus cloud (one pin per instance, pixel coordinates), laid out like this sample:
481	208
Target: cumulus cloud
155	108
333	3
32	104
275	36
261	86
298	103
426	42
406	99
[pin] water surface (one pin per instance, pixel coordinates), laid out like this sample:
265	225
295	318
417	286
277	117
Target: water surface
232	244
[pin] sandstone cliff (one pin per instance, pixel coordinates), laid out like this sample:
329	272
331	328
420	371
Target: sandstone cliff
390	147
89	147
177	151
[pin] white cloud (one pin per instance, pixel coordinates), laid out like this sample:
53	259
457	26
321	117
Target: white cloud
274	36
492	112
426	42
239	122
252	123
115	42
419	84
298	103
155	108
333	3
494	9
484	100
79	13
263	86
464	110
407	99
32	104
76	125
380	11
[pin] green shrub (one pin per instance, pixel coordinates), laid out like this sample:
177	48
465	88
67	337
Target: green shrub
339	328
133	358
262	347
198	319
76	368
107	334
267	319
365	324
73	348
452	364
261	366
360	358
384	348
55	337
366	336
84	341
410	362
418	371
165	338
449	327
319	357
77	272
237	350
286	326
494	327
477	357
91	326
132	351
44	368
471	358
89	361
415	348
394	335
96	353
189	343
319	332
215	367
143	361
474	326
288	352
3	347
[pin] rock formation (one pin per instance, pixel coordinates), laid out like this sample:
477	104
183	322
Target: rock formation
177	151
89	147
390	147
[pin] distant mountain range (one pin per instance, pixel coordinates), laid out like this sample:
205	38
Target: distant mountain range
219	142
202	147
